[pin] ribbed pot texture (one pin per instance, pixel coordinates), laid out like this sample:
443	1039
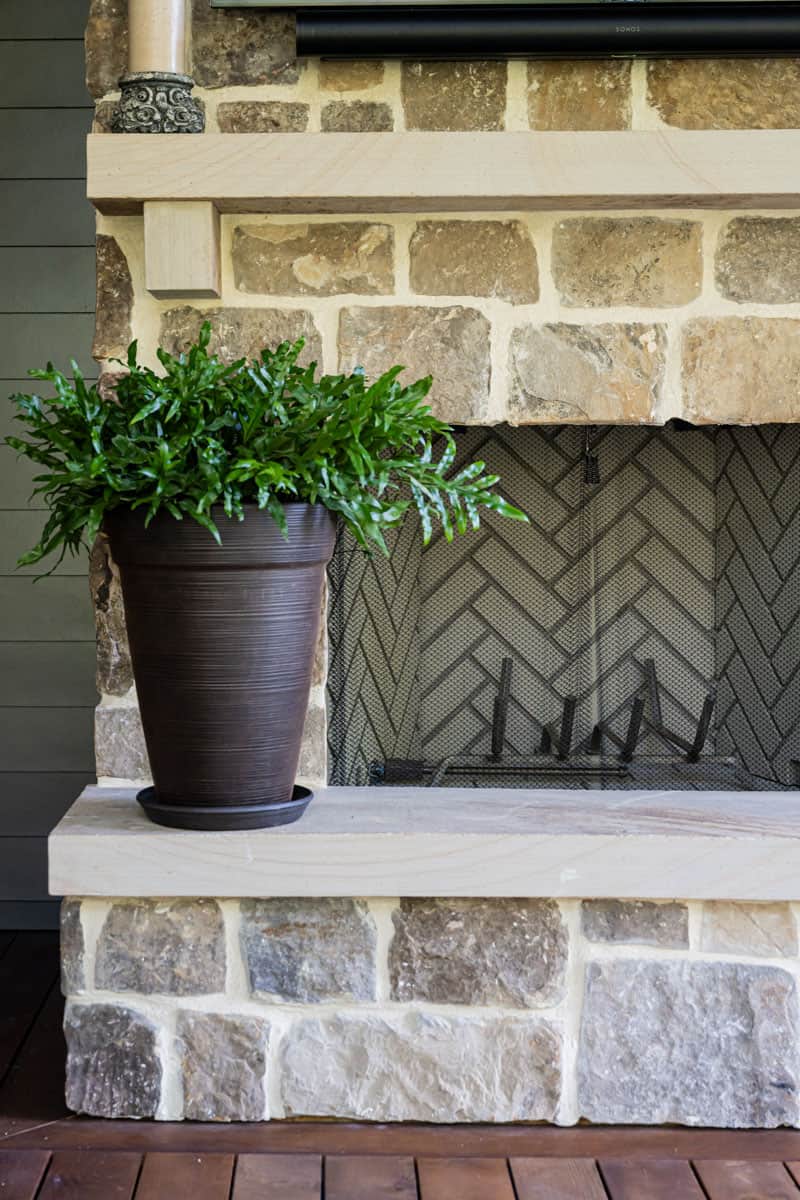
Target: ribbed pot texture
222	641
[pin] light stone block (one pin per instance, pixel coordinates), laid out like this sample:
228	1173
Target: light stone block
763	930
693	1043
421	1067
223	1066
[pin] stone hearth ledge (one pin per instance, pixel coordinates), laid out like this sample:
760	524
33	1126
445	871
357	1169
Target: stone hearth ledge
447	842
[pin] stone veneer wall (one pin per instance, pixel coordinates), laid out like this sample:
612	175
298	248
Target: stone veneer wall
523	317
433	1010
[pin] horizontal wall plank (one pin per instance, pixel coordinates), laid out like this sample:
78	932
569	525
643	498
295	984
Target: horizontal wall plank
31	340
44	143
33	802
45	212
55	279
43	19
54	609
407	172
61	737
23	868
30	914
44	674
42	74
20	530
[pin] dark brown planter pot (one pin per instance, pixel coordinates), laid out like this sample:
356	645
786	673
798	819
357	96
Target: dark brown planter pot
222	641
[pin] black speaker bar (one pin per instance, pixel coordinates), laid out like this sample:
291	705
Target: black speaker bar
627	29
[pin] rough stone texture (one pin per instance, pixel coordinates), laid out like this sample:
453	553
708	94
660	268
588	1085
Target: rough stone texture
314	260
114	671
641	922
349	76
579	95
578	373
309	950
646	261
73	976
242	46
356	116
112	324
241	331
695	1043
450	343
741	370
726	93
758	259
262	116
104	113
113	1069
454	95
504	952
474	258
120	752
420	1067
312	765
166	947
767	930
223	1064
106	45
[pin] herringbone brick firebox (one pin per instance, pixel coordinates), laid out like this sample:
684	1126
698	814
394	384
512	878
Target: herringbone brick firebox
674	546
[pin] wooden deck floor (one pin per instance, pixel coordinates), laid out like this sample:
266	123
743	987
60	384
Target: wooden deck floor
47	1154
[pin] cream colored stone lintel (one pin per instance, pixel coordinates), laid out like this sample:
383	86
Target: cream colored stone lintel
415	172
448	842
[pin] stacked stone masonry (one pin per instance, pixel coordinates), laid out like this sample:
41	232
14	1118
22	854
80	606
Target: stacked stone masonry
433	1010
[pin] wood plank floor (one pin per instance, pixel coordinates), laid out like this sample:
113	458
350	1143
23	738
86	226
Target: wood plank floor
48	1154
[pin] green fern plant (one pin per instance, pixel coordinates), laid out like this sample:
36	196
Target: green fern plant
207	435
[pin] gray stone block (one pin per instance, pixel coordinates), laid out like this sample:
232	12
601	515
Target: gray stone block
73	976
113	1068
309	950
507	952
694	1043
169	947
223	1063
642	922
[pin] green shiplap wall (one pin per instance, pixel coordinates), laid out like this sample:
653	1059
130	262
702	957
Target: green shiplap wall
47	692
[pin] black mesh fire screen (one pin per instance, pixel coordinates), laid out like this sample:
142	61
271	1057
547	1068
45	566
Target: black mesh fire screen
642	631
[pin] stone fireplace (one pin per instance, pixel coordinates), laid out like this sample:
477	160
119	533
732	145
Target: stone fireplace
502	905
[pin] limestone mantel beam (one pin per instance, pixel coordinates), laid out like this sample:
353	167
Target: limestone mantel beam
363	841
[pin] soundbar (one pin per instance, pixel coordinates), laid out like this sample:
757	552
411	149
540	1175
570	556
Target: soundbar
627	29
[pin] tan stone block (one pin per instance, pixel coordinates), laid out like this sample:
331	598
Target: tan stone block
758	260
766	930
242	46
726	93
238	332
579	95
112	324
451	343
106	45
474	258
262	116
314	260
349	76
104	113
114	669
356	116
741	370
576	373
454	95
647	261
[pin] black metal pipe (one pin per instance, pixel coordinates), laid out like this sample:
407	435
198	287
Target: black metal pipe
628	29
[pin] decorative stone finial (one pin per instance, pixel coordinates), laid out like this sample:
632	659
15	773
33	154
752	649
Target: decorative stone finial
158	102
